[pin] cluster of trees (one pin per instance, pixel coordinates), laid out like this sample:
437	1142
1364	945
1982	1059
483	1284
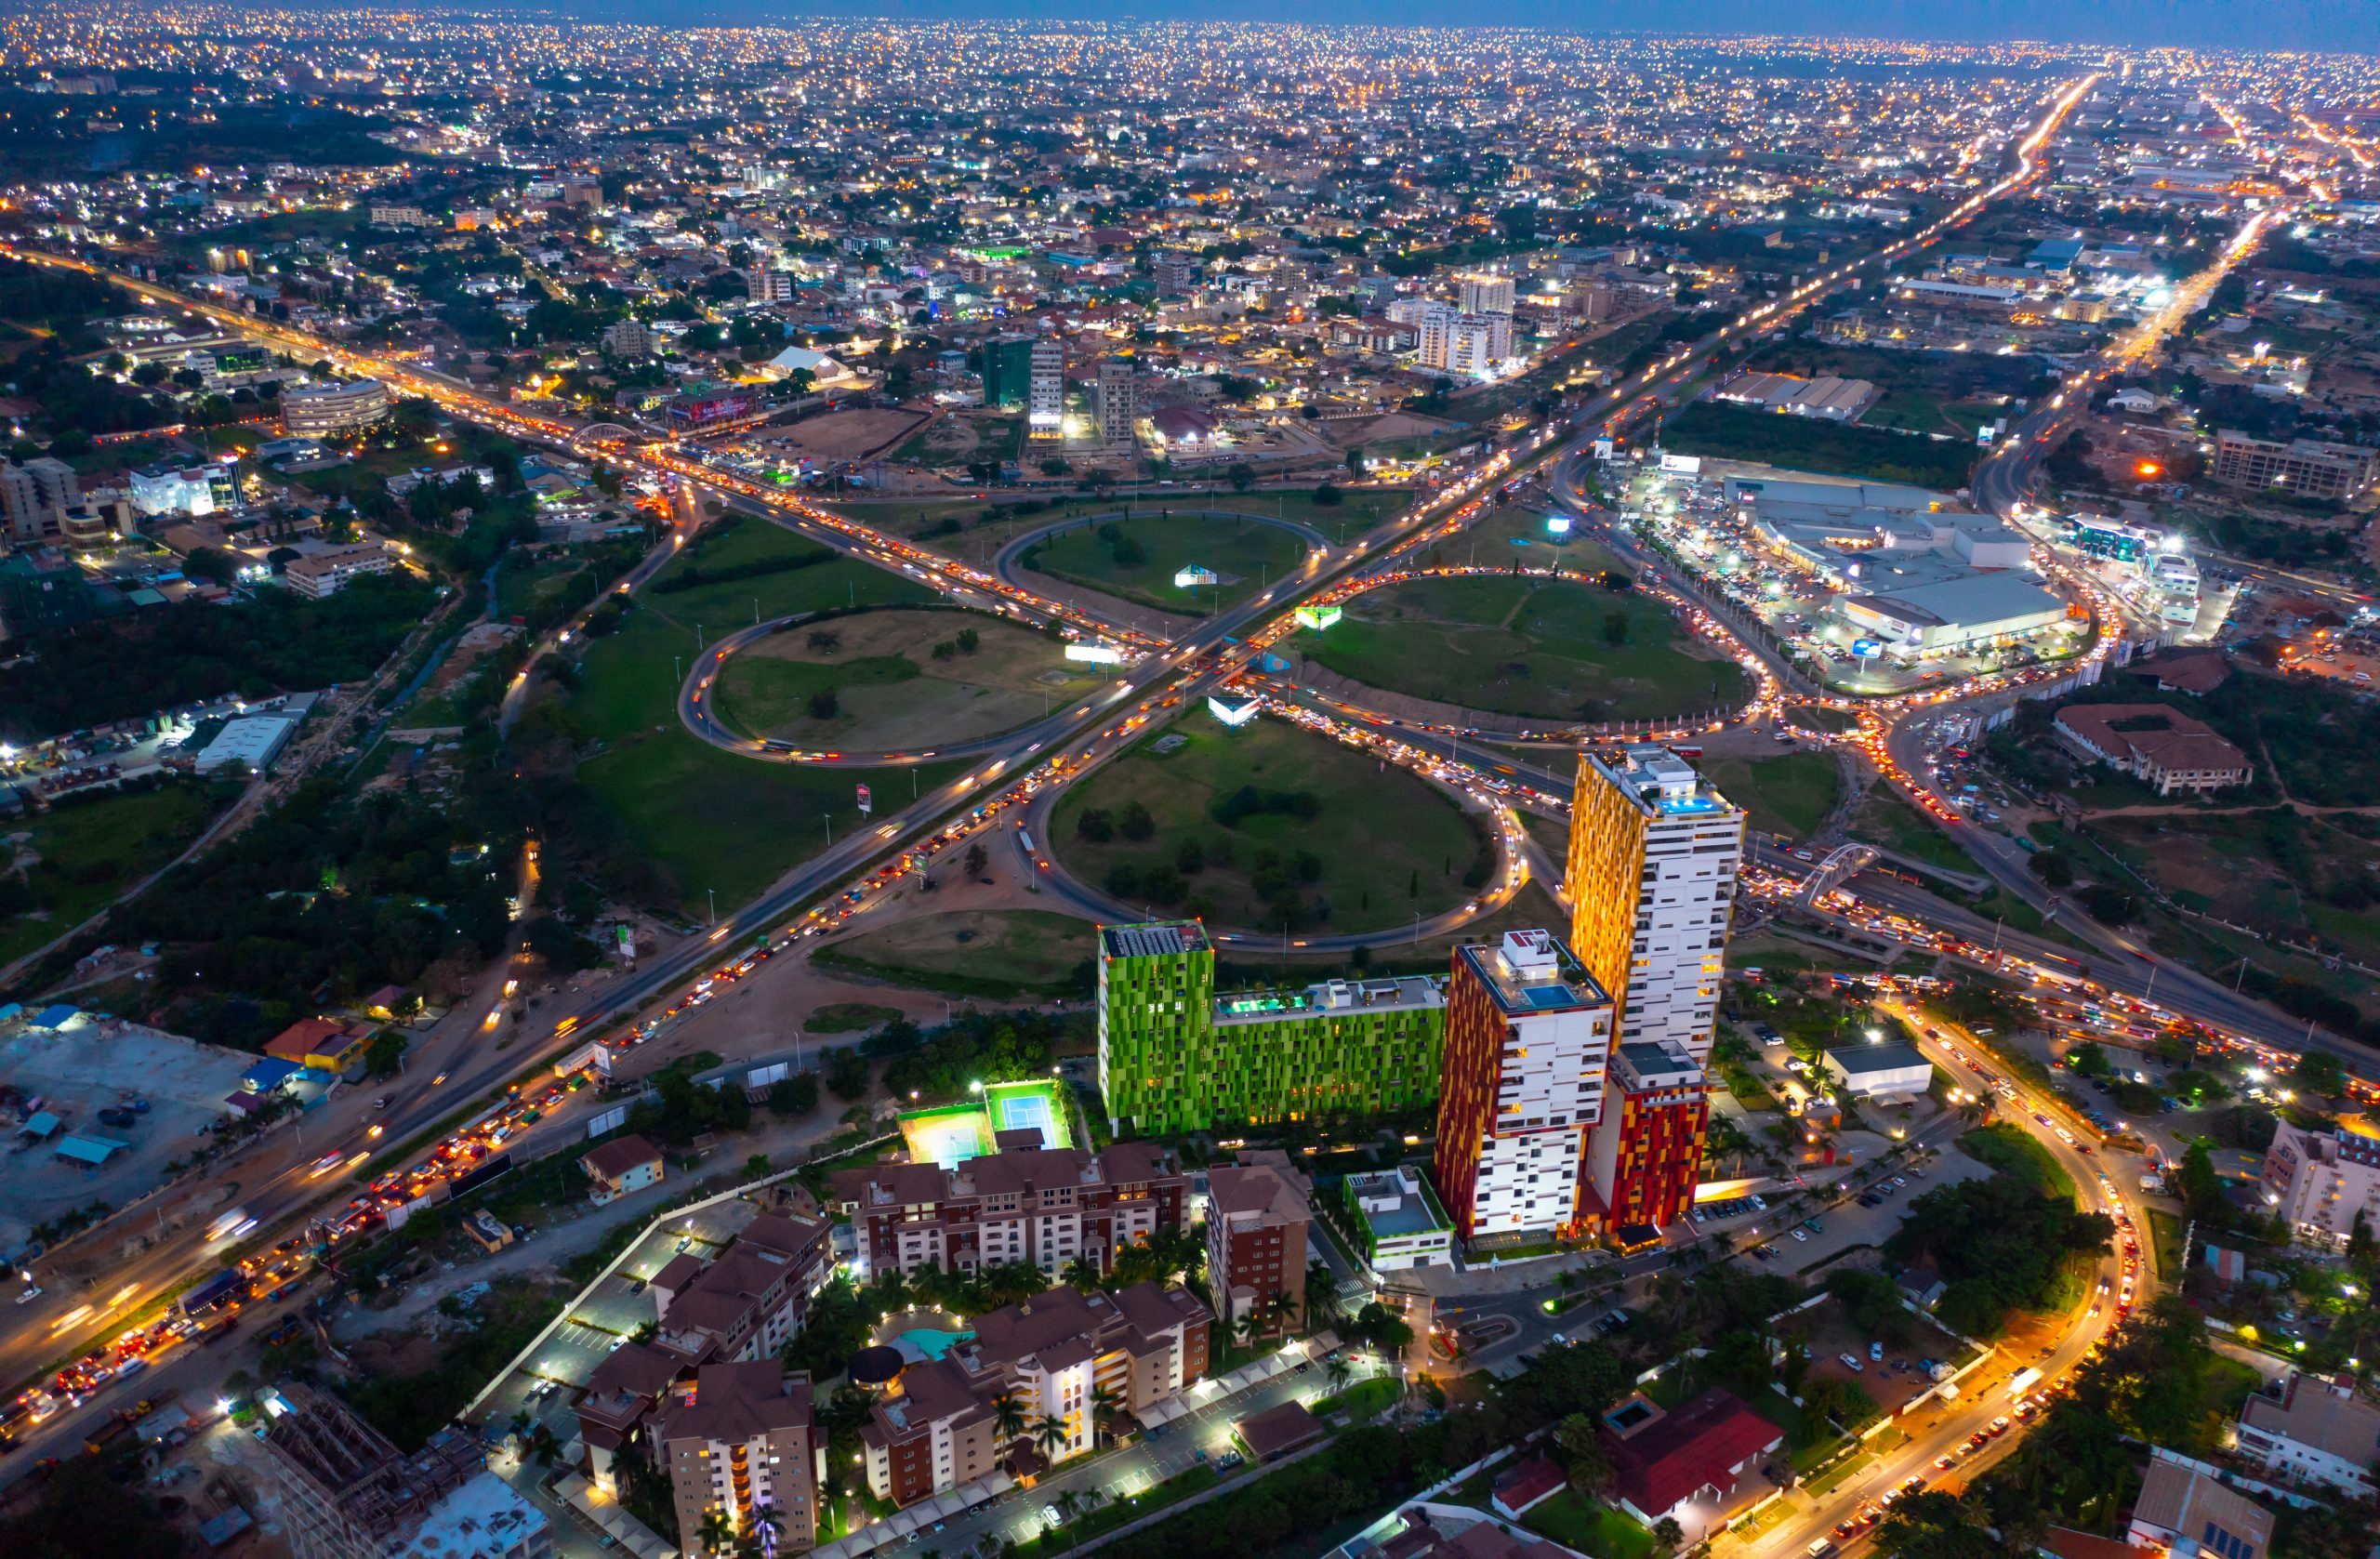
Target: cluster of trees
2001	1245
324	898
126	667
1876	454
973	1048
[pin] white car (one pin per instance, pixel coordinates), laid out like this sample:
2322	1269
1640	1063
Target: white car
29	1294
1801	1235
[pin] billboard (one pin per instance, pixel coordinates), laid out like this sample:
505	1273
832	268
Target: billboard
610	1120
1557	524
1097	654
763	1077
480	1174
867	801
1683	464
1317	617
1867	648
1232	708
593	1056
709	411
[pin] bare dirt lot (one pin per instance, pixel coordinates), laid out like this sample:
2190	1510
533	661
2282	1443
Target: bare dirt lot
89	1066
846	435
1382	429
890	691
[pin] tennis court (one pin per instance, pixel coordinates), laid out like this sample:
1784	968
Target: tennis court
1031	1106
946	1137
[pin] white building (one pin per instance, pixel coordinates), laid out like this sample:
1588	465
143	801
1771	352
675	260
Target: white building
2314	1430
319	575
1875	1071
1528	1040
337	408
1948	616
2320	1181
255	740
1403	1222
1045	394
1486	292
193	490
1654	852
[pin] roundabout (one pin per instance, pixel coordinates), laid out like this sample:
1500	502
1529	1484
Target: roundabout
889	685
1144	556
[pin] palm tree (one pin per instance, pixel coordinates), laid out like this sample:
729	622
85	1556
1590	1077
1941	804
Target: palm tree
764	1525
1008	1418
1049	1434
1250	1326
1338	1370
1324	1308
1082	1273
715	1531
1106	1407
1280	1311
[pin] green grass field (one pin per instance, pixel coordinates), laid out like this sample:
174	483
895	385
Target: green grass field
1577	1522
1385	843
2012	1150
998	524
1789	793
712	820
1141	566
1523	646
1884	818
92	851
892	693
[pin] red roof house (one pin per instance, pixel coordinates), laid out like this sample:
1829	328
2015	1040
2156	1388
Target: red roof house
1703	1448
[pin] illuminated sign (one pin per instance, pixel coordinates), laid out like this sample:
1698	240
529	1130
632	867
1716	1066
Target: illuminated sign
1317	617
1232	708
1867	647
1191	575
1683	465
867	801
1557	524
1098	654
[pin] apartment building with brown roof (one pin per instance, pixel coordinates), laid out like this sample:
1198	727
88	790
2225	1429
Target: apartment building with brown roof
935	1427
1257	1217
743	1307
1042	1206
742	1439
2154	743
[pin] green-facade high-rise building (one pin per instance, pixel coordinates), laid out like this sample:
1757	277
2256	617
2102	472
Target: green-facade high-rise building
1174	1058
1007	371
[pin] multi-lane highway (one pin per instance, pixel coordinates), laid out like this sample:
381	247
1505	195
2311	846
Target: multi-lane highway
33	1337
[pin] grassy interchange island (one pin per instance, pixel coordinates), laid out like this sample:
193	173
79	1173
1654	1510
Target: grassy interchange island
1526	644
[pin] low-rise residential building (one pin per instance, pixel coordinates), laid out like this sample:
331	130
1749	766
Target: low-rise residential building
1398	1220
741	1441
2313	1429
2156	744
1257	1216
319	575
2318	1181
1689	1464
1045	1205
1062	1354
620	1165
325	1044
2186	1510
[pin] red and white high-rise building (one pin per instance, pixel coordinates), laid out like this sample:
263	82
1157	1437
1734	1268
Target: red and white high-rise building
1521	1078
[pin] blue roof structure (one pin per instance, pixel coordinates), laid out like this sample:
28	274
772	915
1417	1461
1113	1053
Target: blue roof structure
269	1073
90	1150
58	1016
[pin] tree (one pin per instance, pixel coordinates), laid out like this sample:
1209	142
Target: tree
2202	1188
824	704
796	1095
1615	628
1008	1418
1242	477
2087	1060
716	1533
386	1054
1049	1434
2319	1071
1107	1409
1324	1308
757	1166
1668	1534
1080	1273
1581	1441
2055	867
1931	1525
977	859
847	1074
